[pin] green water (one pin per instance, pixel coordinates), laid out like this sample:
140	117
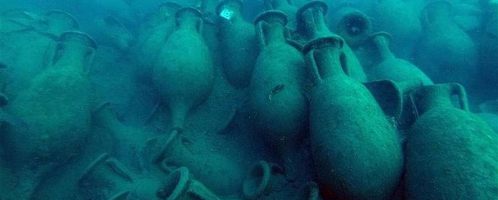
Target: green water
253	99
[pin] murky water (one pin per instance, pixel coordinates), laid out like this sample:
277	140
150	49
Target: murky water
273	99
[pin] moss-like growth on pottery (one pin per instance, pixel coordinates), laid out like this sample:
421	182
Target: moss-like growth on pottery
276	93
55	109
184	72
355	149
450	152
311	25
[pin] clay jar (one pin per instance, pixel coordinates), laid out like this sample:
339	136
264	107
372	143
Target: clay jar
355	149
107	178
276	93
25	49
389	67
445	52
219	173
287	7
448	148
55	110
156	32
311	25
184	71
164	12
238	43
127	142
180	185
352	25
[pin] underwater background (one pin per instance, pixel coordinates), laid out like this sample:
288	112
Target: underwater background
249	99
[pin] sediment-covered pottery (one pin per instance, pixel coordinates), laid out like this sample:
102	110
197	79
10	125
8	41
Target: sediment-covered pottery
445	52
351	139
389	67
184	71
238	43
450	152
55	111
311	25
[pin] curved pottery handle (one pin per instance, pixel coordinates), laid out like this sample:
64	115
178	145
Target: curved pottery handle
436	94
78	37
180	185
260	32
458	90
260	179
264	21
109	173
322	68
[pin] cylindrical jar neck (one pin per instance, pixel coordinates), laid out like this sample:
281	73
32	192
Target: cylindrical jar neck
313	22
430	97
188	21
382	45
329	62
275	33
72	54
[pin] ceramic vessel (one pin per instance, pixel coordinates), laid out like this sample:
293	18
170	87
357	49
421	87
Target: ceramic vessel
352	25
445	52
276	95
128	142
311	25
389	67
351	139
184	71
210	29
107	178
180	185
237	43
219	173
286	6
449	148
154	35
55	111
25	48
